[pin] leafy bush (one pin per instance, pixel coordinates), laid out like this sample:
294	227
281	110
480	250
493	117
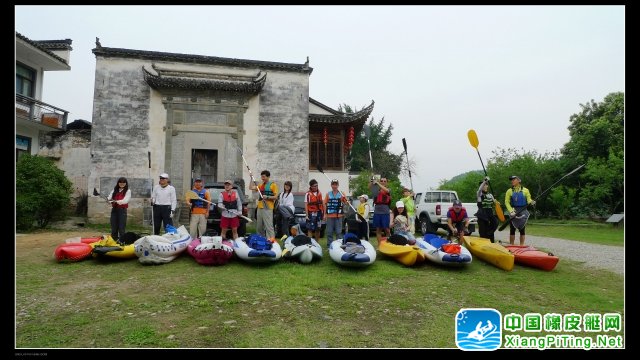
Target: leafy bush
42	192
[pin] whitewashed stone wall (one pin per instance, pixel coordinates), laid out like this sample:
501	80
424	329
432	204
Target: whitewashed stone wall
130	119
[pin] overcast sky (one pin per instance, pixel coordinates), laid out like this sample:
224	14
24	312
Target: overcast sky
514	74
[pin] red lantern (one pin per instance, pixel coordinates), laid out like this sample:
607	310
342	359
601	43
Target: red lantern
325	136
350	139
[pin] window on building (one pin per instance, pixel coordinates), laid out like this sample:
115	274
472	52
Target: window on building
23	146
25	80
329	156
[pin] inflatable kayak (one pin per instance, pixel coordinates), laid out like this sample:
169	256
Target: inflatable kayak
352	251
442	251
492	253
302	248
255	248
109	248
155	249
530	256
71	252
211	250
407	254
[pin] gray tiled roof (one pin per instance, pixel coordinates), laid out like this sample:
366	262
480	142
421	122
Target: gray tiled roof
55	44
39	46
342	118
177	82
200	59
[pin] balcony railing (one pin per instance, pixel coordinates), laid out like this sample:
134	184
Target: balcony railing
40	112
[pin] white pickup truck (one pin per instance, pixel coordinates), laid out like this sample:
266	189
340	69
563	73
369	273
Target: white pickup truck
432	207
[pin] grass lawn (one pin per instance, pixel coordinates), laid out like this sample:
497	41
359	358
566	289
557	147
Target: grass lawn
591	232
123	304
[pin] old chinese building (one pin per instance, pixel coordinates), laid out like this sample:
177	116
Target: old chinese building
196	116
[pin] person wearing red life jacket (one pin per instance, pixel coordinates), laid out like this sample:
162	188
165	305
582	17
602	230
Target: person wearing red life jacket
457	220
119	198
231	204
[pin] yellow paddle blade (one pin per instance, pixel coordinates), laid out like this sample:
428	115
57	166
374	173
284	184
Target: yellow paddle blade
191	195
499	211
473	138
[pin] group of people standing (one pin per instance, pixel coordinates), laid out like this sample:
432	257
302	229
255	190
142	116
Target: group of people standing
318	208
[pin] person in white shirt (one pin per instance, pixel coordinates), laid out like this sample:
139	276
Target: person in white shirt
164	203
119	198
286	208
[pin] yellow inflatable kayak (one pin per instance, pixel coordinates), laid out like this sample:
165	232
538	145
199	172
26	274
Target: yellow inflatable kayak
492	253
107	247
405	254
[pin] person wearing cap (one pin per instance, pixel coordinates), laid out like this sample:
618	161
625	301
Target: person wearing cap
333	202
487	220
268	191
199	210
363	212
457	220
314	209
164	201
401	222
231	204
381	206
516	200
410	207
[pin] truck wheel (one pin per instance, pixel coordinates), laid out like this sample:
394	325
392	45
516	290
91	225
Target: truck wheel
426	227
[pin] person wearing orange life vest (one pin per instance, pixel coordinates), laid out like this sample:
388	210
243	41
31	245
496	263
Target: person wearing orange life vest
269	191
230	202
199	210
457	220
314	210
119	197
333	202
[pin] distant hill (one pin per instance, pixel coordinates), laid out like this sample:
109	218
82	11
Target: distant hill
459	177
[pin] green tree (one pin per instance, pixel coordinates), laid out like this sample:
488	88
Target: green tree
466	185
597	130
603	191
597	140
360	185
385	162
563	199
42	192
537	171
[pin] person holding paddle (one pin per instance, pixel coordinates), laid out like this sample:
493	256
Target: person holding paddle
516	199
268	191
230	203
487	220
199	209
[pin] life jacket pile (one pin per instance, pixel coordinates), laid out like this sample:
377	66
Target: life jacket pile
258	242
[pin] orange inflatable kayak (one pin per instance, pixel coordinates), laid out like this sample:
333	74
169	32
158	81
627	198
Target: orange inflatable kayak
530	256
